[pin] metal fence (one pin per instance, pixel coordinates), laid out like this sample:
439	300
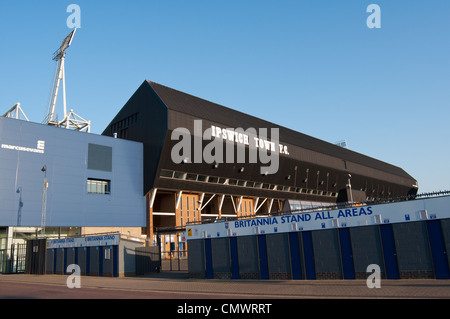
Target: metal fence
173	248
12	260
148	260
174	260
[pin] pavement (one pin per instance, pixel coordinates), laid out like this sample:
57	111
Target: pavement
177	285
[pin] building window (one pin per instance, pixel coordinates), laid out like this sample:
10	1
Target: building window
166	173
212	179
191	177
243	183
121	126
98	186
179	175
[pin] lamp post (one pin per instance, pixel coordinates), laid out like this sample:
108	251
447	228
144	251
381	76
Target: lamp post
44	200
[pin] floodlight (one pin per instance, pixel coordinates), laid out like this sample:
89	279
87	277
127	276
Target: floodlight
64	45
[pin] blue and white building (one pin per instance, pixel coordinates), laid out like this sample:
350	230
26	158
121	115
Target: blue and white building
404	239
61	180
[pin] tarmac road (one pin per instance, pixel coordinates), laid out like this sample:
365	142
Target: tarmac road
178	286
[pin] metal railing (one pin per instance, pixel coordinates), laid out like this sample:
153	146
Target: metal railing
174	260
12	261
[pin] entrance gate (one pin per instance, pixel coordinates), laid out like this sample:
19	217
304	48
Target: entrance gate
173	248
12	261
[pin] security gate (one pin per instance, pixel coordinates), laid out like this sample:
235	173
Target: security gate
173	248
12	261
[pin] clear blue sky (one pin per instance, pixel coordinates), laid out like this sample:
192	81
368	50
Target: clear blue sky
312	66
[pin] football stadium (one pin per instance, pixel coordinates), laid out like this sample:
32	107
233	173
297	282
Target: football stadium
176	182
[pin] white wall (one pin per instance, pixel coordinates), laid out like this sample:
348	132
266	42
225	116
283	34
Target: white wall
65	156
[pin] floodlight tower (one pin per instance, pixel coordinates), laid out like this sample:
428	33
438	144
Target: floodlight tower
70	120
59	56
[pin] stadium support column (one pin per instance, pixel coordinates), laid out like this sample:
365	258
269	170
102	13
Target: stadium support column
253	206
221	199
200	203
280	205
179	220
269	206
257	208
150	199
239	206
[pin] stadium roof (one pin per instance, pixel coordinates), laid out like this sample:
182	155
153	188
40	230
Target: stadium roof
203	109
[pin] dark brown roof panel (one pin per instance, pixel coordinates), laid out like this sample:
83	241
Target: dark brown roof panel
203	109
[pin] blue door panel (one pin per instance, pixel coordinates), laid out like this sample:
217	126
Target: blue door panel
389	252
308	252
234	258
208	259
438	251
346	253
295	256
262	250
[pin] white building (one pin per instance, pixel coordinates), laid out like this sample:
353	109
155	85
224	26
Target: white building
63	180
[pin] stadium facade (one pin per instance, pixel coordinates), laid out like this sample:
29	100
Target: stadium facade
181	188
169	160
396	240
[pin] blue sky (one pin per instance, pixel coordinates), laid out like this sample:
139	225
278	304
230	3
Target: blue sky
312	66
